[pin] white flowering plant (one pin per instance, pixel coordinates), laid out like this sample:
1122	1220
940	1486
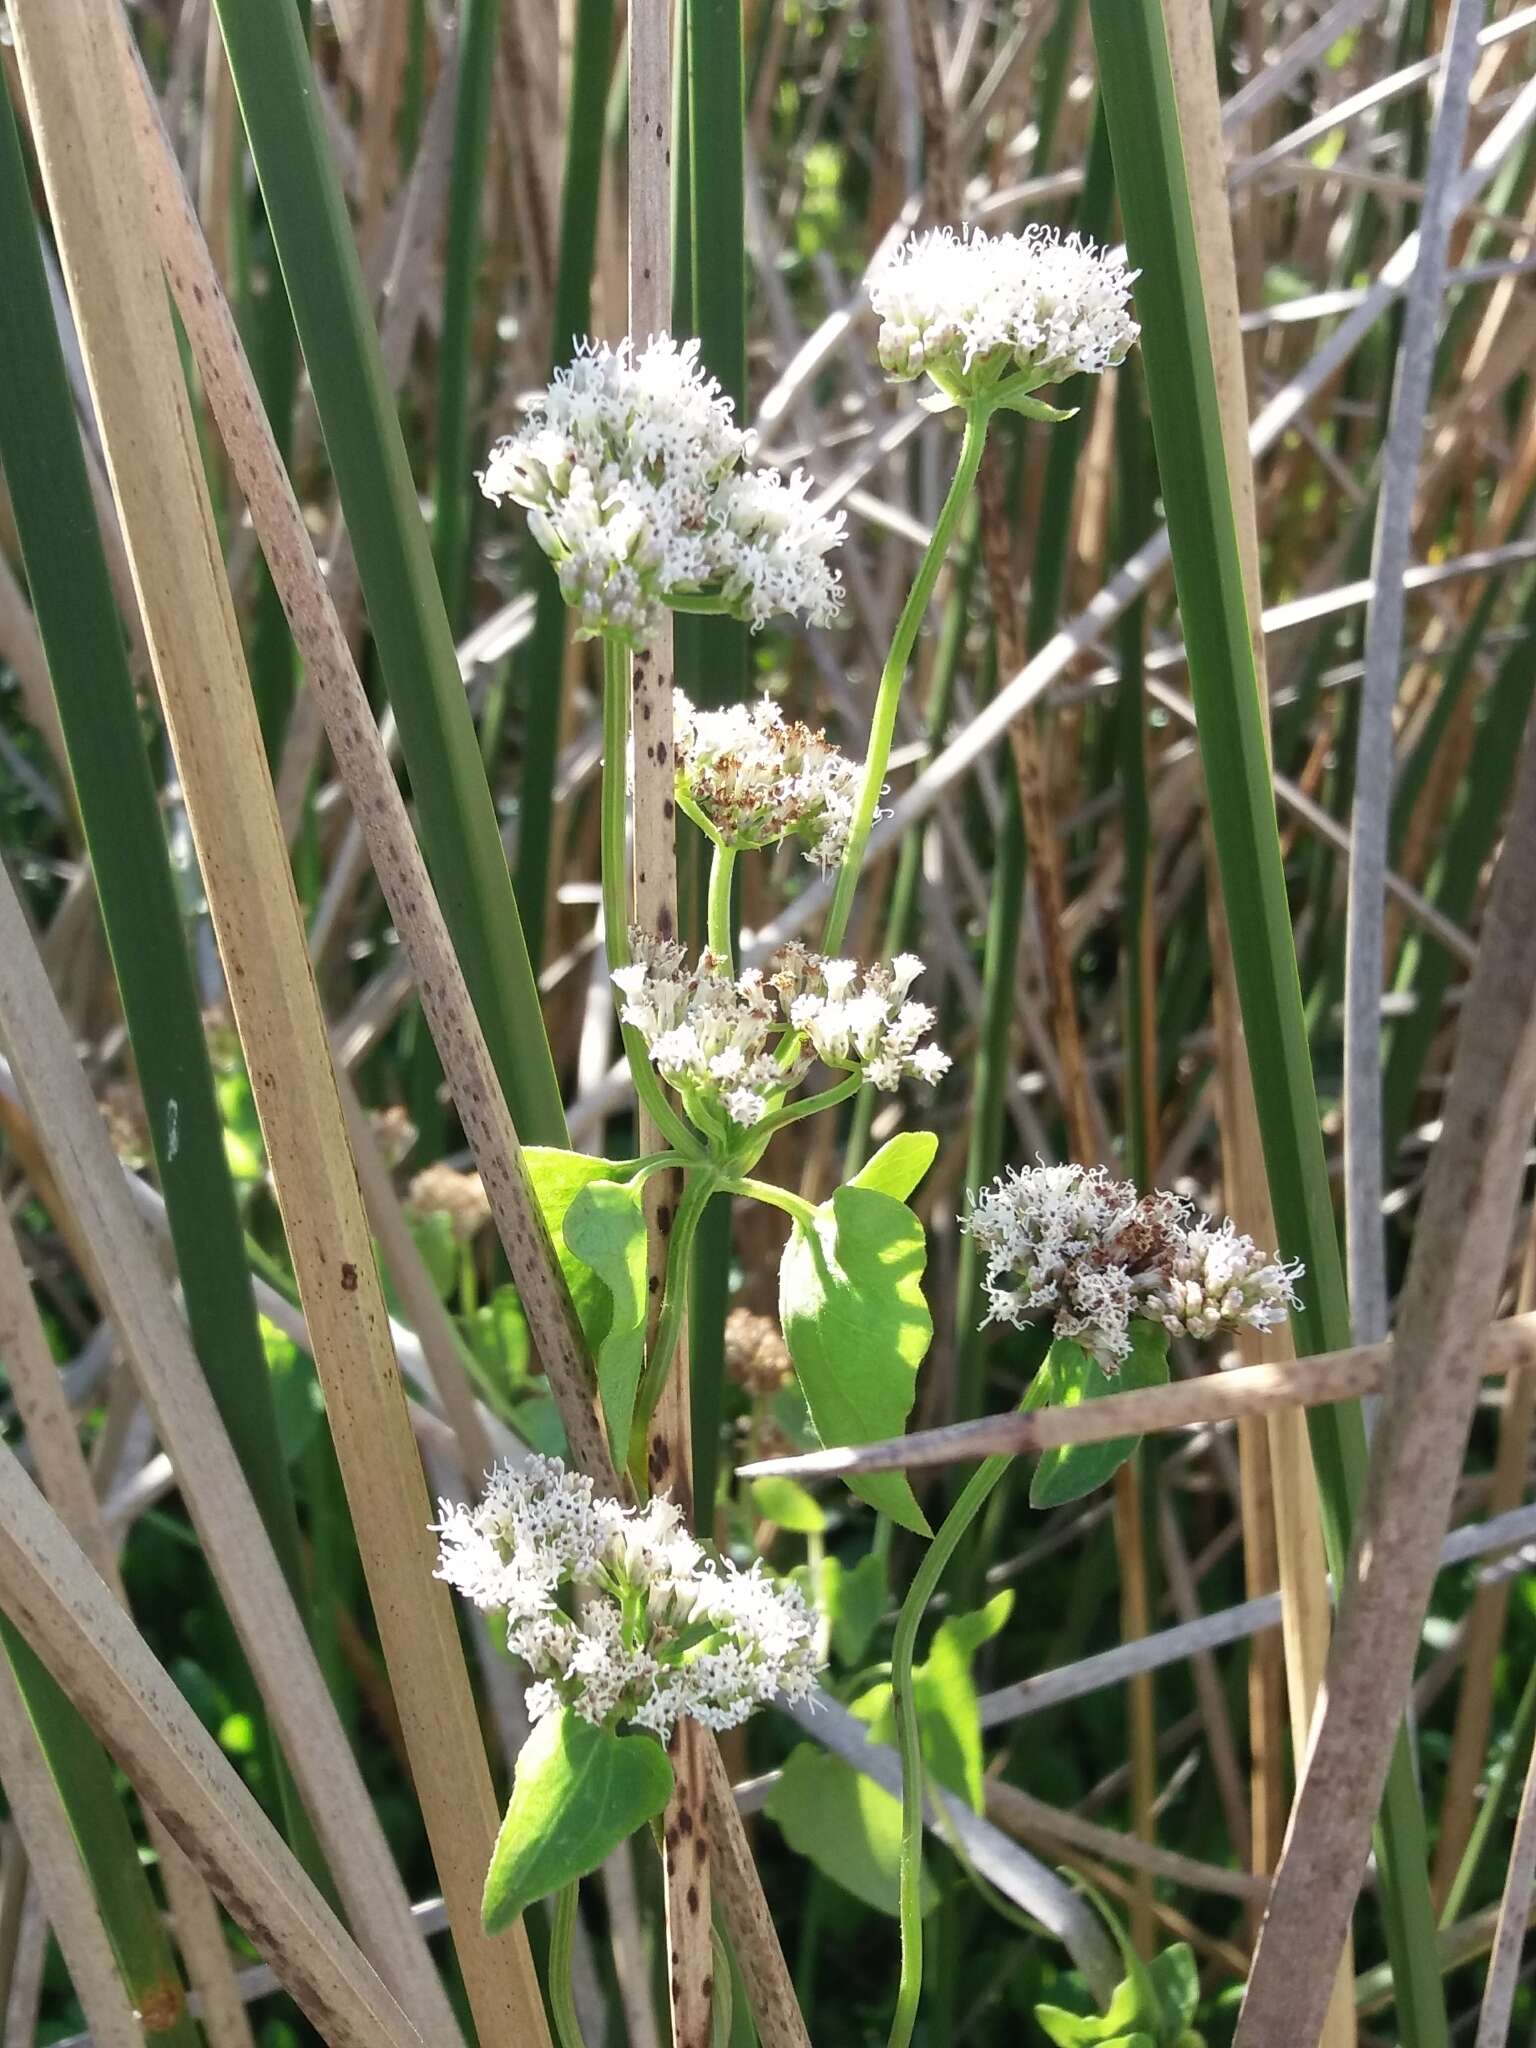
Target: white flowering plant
638	484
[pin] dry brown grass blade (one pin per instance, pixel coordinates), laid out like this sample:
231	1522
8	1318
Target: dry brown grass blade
97	1656
1506	1346
1515	1909
686	1826
1451	1291
1485	1623
75	78
89	1186
66	1481
1036	1821
365	770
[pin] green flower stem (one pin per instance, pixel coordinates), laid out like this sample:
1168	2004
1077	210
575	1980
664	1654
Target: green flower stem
792	1112
909	1738
616	887
561	1938
698	1186
722	866
893	675
699	604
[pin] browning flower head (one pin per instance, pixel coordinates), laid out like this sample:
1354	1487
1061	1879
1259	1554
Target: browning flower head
652	1628
973	308
714	1038
756	1356
630	470
1088	1252
461	1197
756	777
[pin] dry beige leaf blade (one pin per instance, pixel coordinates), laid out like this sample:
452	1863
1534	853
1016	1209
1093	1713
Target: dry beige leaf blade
60	1605
54	1442
89	1183
73	60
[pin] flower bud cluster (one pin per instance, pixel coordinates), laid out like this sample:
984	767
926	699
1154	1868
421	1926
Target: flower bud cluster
715	1037
755	778
972	308
651	1627
1090	1254
630	470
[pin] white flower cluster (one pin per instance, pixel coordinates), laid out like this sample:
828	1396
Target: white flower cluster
714	1037
756	777
656	1629
971	308
1089	1252
630	469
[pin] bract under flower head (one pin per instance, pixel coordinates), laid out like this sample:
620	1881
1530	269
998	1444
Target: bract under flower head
1086	1252
656	1628
973	309
715	1037
630	471
755	777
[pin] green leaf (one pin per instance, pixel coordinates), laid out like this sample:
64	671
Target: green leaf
1071	1375
851	1304
558	1177
1037	409
790	1506
432	1232
853	1600
605	1228
1175	1980
578	1792
899	1165
944	1690
845	1824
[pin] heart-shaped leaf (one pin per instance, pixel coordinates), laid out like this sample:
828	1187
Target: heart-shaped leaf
845	1824
605	1228
578	1792
851	1304
1071	1375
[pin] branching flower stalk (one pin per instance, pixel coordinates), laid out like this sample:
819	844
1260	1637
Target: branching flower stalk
639	487
1101	1265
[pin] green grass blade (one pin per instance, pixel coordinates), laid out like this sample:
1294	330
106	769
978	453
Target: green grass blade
87	1787
1136	83
543	664
275	86
717	648
471	132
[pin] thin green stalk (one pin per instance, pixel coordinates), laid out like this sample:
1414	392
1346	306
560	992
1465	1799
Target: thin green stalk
87	1788
1492	1809
810	1105
722	867
562	2002
803	1212
893	675
280	105
1137	87
541	666
909	1739
461	264
1133	517
717	651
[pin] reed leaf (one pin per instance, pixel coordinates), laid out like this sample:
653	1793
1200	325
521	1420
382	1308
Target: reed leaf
1136	82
